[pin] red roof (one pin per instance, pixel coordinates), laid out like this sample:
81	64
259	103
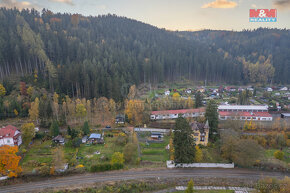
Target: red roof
245	114
181	111
8	131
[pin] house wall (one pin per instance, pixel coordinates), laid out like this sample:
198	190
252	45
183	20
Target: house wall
197	138
245	118
174	116
7	141
19	140
171	164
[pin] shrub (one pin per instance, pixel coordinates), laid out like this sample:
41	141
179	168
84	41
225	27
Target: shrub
106	167
130	151
44	170
117	166
39	135
121	140
279	155
76	142
189	187
117	158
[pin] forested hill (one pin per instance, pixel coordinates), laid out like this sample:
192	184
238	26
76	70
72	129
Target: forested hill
251	45
95	56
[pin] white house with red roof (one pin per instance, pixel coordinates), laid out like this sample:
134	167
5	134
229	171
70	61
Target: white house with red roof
10	135
173	114
244	112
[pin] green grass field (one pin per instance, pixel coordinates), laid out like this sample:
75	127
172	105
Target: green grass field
270	154
86	153
39	153
155	152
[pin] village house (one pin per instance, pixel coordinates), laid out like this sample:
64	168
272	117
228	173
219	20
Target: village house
244	112
120	119
85	139
283	89
250	89
59	140
96	138
200	133
269	89
201	89
10	135
156	136
188	91
167	93
173	114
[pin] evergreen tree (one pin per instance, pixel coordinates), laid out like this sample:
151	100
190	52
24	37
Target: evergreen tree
189	188
184	151
198	100
54	129
86	128
211	115
69	130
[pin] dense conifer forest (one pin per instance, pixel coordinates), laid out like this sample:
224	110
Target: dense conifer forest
253	46
95	56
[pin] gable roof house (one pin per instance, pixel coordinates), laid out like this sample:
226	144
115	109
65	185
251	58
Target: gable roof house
120	119
200	132
59	140
10	135
96	138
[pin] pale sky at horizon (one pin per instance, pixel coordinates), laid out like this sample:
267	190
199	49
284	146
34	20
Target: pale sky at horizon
171	14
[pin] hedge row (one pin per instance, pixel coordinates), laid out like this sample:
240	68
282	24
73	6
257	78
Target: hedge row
106	167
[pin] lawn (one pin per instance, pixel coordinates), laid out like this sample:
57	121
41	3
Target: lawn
270	154
86	154
38	154
154	152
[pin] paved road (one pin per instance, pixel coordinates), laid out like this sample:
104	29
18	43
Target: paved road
129	175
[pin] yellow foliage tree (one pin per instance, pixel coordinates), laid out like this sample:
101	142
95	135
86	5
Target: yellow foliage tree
198	154
55	105
28	133
34	110
132	92
171	149
134	111
117	158
250	125
2	90
81	110
15	112
189	103
176	95
30	91
9	161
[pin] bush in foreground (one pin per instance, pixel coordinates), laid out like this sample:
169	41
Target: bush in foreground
279	155
106	167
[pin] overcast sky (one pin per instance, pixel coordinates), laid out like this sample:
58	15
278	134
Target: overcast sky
171	14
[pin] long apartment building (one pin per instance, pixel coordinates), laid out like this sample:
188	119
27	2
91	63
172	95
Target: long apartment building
173	114
244	112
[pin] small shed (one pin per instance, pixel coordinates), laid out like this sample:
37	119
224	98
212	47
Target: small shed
156	135
285	115
58	139
85	139
96	138
120	119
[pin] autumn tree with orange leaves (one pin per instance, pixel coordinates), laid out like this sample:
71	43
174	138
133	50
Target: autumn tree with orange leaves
9	161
